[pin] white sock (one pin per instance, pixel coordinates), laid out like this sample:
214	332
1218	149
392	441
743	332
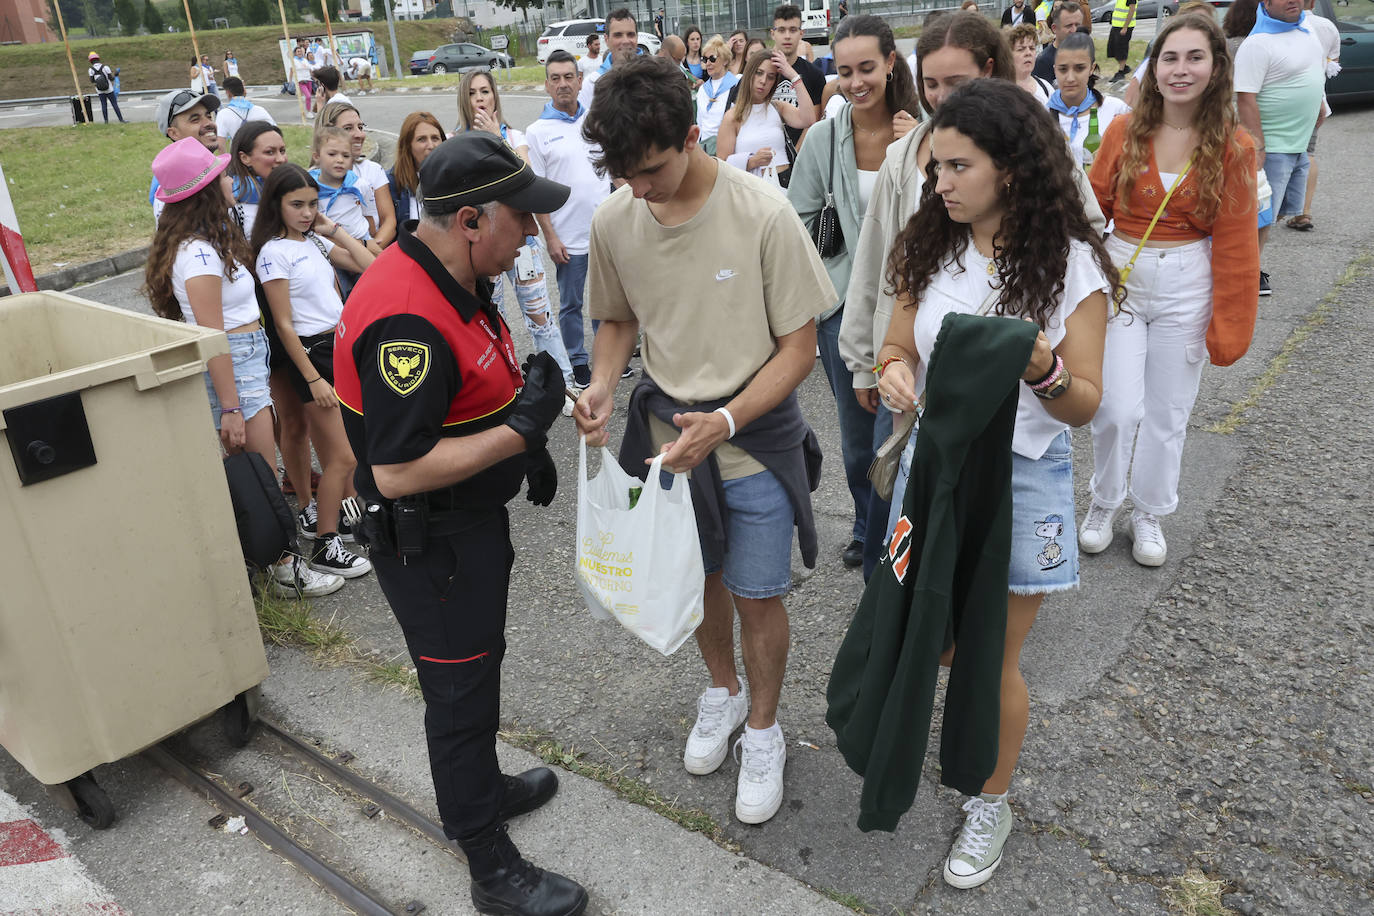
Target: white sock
994	799
763	735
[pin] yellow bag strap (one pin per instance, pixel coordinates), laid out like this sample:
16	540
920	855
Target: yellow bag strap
1130	265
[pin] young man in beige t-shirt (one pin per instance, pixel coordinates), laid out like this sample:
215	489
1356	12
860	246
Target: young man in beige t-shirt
716	269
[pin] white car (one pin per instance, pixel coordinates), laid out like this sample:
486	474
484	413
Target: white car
571	35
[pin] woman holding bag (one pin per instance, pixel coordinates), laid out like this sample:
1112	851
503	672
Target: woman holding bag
842	156
1178	177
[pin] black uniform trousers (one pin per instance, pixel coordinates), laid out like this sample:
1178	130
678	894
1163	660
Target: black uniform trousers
451	604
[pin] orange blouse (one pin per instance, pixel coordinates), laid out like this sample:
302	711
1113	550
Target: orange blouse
1233	230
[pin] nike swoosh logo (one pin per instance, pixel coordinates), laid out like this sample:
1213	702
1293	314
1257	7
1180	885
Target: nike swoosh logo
724	274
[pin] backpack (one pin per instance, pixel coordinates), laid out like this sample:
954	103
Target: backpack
102	82
265	524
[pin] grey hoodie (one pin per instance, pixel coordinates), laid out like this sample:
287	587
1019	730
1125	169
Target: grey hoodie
868	304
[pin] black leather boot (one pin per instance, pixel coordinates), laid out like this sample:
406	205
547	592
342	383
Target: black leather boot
504	884
527	791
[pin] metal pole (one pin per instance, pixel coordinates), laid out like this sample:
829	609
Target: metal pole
290	73
80	99
401	72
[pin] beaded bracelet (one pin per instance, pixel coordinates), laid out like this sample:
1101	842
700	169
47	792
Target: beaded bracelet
224	410
879	369
1051	377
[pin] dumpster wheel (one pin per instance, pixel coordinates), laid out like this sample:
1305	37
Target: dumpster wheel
240	717
92	804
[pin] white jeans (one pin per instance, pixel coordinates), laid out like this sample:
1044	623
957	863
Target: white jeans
1151	370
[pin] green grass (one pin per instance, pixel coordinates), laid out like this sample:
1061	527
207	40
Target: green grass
287	622
162	61
86	196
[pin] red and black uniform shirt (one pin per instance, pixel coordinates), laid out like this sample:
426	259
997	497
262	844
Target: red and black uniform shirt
418	358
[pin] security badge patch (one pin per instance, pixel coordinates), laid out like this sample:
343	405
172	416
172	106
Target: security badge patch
403	364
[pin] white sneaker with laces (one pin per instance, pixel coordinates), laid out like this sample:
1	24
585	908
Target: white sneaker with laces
758	794
1149	548
297	580
977	851
718	715
1095	534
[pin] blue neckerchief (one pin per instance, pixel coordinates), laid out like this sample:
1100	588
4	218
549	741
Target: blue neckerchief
328	195
152	193
606	64
1266	23
722	87
1057	104
240	104
247	190
553	114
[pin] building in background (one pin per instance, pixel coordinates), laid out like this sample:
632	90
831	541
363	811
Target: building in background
25	22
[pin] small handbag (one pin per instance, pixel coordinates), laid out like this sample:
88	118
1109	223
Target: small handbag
825	231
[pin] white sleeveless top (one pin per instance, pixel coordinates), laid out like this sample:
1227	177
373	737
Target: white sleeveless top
763	128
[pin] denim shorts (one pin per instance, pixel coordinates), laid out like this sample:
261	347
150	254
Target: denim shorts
1287	174
249	355
758	553
1044	536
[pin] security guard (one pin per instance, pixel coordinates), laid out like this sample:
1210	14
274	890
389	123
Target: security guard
1119	38
446	430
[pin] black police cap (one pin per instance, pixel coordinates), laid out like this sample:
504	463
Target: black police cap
475	167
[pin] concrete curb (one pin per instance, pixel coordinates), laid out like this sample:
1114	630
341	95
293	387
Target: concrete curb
89	272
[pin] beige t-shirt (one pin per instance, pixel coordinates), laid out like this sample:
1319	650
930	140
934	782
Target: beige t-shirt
712	295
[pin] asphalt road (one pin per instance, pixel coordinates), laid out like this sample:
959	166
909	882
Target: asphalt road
1209	715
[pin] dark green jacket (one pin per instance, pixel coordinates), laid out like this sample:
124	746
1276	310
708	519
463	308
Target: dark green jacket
943	578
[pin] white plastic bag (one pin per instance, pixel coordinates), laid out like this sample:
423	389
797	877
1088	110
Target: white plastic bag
640	565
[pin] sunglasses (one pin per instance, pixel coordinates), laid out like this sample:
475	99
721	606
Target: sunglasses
709	58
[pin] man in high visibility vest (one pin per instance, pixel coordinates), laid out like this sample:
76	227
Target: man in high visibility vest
1119	39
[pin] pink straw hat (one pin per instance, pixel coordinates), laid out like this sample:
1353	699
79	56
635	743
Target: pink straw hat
185	168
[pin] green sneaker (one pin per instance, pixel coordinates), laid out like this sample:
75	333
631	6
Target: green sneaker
978	849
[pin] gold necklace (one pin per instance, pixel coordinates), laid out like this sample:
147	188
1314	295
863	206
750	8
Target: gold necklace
1175	126
992	261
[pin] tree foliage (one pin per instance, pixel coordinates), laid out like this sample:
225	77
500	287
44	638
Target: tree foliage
127	14
257	12
152	19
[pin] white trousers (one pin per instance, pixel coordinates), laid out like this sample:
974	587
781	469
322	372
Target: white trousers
1151	370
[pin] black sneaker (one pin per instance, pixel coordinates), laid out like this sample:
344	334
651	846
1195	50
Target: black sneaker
1264	285
330	556
346	531
628	373
582	375
307	521
1121	74
853	555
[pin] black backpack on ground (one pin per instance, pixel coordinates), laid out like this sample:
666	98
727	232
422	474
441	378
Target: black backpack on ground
266	526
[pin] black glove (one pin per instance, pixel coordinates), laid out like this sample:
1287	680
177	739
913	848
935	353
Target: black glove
542	476
540	401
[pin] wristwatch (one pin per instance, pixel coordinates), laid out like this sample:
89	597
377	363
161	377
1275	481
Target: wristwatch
1060	386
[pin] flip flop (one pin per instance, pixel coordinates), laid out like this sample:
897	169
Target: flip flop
1301	222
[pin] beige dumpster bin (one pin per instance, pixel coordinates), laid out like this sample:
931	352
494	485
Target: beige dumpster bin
125	614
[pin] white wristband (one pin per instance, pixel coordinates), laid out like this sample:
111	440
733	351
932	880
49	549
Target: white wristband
728	419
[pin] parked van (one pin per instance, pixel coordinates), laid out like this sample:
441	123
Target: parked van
815	20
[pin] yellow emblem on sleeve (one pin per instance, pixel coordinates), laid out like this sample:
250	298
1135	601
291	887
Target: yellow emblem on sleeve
403	364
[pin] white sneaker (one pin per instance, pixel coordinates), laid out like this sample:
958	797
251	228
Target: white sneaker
977	851
1095	534
1149	549
297	580
718	715
758	795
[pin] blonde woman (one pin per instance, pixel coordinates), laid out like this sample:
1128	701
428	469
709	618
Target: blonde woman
714	94
479	108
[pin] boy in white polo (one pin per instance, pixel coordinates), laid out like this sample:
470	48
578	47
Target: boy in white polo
559	153
728	317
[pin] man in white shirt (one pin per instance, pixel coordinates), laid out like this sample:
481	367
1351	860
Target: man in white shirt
591	61
559	153
1330	38
186	113
238	111
1280	77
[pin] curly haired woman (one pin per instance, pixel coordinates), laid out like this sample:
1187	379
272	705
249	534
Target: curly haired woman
1000	229
1194	287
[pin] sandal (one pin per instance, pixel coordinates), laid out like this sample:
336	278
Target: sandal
1302	222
